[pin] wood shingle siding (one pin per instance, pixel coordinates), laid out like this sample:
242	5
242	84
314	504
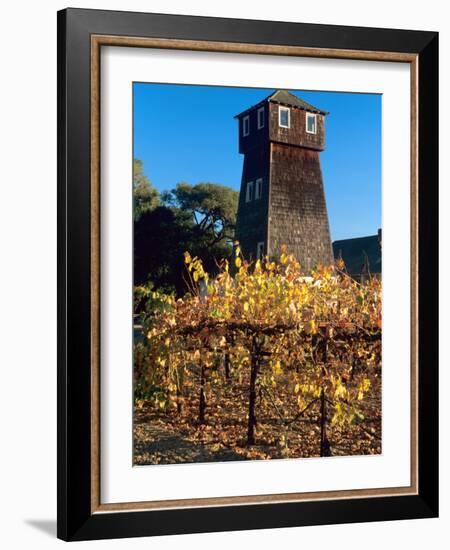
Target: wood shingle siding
298	215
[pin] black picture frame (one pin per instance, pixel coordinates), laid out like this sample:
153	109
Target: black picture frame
76	521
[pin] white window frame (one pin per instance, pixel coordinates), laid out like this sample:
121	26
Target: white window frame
260	117
314	117
259	250
284	109
258	188
246	126
249	191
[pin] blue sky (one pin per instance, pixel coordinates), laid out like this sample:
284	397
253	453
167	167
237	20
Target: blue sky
188	133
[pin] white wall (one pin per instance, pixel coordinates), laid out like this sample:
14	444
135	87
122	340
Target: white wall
28	270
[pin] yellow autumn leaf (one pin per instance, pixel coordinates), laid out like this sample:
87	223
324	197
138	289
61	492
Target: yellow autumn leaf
277	368
340	391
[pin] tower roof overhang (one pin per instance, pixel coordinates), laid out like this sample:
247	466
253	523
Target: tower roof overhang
283	97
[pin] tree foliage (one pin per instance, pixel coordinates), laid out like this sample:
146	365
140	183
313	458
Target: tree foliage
199	218
145	196
213	208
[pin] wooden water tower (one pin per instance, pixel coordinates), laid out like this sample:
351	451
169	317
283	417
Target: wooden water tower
282	200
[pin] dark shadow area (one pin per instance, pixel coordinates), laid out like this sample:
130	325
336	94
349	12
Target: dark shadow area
167	448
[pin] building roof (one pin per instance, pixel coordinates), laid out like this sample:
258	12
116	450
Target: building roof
283	97
360	255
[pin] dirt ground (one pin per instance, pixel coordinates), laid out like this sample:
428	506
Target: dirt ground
169	437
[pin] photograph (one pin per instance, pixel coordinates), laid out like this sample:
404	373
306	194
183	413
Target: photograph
257	274
247	272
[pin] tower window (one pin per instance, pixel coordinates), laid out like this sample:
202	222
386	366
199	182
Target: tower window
246	126
284	117
258	188
249	192
260	250
260	118
311	123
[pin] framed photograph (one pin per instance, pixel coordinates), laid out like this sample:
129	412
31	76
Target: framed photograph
248	247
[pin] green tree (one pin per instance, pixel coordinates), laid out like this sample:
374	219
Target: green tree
200	218
213	209
145	196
